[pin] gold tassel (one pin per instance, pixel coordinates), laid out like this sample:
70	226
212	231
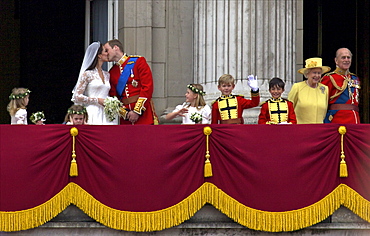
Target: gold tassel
208	169
207	165
343	172
73	171
343	169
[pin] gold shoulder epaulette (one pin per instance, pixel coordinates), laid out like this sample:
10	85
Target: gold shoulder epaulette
239	95
330	73
135	56
264	102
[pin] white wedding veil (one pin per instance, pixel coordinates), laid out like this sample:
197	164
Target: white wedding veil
89	57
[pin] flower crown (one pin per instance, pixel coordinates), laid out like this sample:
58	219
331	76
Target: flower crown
18	96
70	111
37	116
195	90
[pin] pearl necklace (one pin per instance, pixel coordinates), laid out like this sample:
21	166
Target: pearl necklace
310	85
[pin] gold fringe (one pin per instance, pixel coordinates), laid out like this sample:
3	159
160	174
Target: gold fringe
343	172
139	221
356	203
289	220
207	165
36	216
177	214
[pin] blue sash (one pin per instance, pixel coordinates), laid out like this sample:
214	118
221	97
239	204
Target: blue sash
127	71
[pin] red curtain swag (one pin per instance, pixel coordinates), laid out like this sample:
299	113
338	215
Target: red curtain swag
147	178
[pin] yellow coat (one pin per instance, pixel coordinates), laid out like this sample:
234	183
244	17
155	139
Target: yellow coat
310	104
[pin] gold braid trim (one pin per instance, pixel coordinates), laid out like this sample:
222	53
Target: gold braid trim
341	89
177	214
139	106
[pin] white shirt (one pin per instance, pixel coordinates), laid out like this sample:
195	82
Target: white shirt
204	111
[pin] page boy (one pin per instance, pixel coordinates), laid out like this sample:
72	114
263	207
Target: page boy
277	110
228	109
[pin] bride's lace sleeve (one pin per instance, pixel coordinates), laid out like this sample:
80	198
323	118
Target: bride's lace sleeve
79	97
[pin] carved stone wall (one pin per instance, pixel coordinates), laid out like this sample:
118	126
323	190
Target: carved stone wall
207	221
198	41
257	37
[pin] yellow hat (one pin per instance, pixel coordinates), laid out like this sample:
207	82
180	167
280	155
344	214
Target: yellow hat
314	62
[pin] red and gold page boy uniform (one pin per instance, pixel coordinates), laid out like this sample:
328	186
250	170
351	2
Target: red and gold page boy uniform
229	109
277	111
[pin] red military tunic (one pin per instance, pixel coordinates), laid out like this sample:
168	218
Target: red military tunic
137	94
283	112
229	109
343	97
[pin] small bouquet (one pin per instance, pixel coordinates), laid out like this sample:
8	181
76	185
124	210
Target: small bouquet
38	117
196	117
112	107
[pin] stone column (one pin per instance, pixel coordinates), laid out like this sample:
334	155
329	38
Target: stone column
162	31
241	37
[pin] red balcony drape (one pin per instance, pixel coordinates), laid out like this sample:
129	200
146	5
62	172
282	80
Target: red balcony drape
146	178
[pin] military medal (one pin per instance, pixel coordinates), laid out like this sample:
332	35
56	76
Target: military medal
134	83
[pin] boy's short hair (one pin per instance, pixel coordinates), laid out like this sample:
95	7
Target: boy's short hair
226	79
276	82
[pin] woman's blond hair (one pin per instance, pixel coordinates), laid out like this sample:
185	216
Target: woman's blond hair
199	101
17	103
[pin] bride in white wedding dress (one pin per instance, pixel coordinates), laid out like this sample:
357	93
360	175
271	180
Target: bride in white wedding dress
93	86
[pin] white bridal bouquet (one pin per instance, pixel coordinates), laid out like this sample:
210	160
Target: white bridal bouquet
37	116
112	106
196	117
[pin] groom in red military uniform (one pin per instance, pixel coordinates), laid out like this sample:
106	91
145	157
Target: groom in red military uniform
132	82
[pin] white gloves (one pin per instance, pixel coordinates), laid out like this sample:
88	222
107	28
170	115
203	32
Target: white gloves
253	83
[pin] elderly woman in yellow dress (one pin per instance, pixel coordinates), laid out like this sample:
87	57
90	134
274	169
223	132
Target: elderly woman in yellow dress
310	97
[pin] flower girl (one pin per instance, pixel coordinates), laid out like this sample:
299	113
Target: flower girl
76	115
194	110
17	106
